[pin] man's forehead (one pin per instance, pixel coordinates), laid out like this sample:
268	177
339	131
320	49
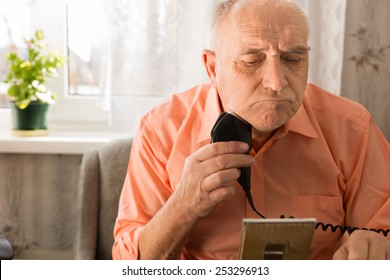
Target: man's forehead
286	35
267	16
279	26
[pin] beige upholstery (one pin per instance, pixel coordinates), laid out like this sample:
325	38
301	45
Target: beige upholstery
101	179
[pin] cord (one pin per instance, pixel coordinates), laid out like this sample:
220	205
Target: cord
322	226
343	229
250	200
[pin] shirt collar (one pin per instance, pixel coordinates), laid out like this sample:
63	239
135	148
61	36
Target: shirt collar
299	123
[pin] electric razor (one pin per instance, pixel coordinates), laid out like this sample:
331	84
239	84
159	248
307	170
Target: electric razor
231	127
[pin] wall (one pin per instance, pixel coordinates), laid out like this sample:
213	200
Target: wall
37	203
366	69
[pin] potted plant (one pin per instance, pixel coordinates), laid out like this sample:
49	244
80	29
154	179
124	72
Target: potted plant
27	93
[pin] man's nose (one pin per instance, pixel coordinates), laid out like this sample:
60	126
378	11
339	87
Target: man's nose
272	75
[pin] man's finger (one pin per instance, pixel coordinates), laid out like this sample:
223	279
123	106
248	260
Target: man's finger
376	251
220	148
222	178
341	254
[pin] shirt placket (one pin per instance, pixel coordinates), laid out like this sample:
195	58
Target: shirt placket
257	189
258	177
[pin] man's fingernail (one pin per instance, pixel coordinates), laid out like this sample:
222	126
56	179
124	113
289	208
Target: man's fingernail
244	146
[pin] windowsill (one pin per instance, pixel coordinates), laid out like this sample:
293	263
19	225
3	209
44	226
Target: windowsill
56	142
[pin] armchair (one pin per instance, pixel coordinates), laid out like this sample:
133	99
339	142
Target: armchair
102	176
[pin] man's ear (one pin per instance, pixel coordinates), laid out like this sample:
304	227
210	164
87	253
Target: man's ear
209	62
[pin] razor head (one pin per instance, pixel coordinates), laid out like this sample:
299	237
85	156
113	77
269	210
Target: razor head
230	127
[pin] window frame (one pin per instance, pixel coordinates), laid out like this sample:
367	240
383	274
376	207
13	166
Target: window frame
69	112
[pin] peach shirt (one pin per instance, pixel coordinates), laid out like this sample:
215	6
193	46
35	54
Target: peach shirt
330	161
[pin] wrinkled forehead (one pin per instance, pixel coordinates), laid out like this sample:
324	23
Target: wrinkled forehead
266	20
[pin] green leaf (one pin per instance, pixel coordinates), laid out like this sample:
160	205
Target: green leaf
13	90
25	64
39	35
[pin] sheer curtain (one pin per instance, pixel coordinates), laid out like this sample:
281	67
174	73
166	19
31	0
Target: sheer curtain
153	49
327	25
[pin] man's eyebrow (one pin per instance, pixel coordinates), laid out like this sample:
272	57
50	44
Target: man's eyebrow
297	50
252	51
293	50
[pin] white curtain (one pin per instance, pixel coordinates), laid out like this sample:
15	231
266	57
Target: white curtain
327	26
153	49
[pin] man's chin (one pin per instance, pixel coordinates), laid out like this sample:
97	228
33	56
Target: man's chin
269	123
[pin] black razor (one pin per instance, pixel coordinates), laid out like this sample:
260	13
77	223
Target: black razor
231	127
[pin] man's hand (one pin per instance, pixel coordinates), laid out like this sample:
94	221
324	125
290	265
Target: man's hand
364	245
208	176
206	181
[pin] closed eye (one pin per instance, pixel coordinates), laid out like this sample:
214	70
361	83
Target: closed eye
253	59
252	63
292	58
295	55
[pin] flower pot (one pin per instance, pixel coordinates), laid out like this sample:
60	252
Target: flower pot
31	121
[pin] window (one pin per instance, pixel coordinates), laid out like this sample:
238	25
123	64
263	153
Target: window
13	28
70	112
85	32
123	56
132	54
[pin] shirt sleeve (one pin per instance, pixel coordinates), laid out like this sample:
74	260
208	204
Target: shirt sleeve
368	190
145	191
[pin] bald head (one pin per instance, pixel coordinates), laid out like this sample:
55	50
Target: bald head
259	62
226	9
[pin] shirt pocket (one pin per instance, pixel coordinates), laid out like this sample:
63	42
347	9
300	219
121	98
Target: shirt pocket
327	210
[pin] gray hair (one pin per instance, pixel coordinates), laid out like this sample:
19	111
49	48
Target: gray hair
225	6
